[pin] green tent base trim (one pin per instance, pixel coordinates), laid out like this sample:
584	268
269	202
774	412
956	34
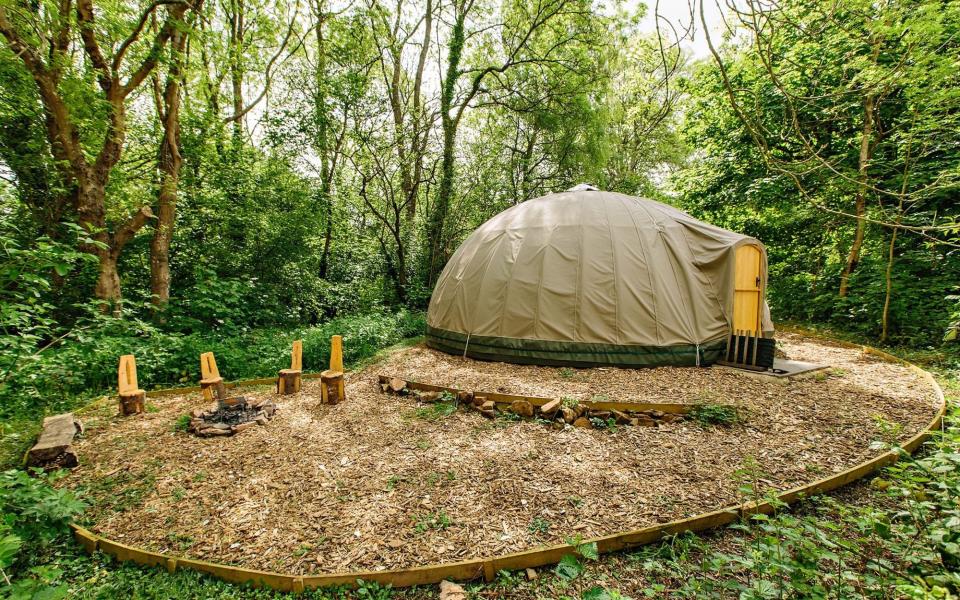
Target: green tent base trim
572	354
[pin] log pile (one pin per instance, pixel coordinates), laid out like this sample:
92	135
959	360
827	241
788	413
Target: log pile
559	413
231	416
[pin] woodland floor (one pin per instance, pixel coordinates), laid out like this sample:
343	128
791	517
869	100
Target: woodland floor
372	484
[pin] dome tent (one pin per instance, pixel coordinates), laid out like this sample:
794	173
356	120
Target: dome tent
586	277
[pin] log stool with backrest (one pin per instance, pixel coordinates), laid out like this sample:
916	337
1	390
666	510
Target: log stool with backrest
131	397
331	380
211	384
288	381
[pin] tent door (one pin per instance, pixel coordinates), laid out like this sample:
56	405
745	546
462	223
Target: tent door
748	291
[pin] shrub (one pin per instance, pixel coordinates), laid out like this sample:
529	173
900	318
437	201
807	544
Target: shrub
34	515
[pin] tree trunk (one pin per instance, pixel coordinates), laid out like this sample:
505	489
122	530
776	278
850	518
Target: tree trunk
436	237
237	31
866	150
170	162
419	137
108	282
885	318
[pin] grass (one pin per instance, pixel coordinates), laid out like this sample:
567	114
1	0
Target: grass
715	414
437	521
434	412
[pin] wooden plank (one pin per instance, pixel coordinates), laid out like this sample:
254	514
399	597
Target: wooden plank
208	366
296	356
336	353
127	375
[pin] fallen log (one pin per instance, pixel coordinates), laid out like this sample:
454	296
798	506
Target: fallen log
54	442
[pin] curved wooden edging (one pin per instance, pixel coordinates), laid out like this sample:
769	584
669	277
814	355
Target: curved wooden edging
537	557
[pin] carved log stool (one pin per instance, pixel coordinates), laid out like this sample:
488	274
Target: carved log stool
331	380
331	387
211	383
132	398
288	381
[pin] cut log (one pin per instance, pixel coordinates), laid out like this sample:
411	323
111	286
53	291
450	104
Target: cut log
132	398
55	440
213	388
521	408
132	402
396	385
288	381
332	389
583	423
551	407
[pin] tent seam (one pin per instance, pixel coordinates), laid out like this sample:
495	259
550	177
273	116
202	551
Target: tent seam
509	278
486	269
543	258
616	291
579	286
646	259
673	269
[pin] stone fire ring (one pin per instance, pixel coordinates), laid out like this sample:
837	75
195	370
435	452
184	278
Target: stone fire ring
488	567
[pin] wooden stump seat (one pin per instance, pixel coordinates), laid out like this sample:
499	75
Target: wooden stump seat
331	380
132	398
331	387
289	380
211	384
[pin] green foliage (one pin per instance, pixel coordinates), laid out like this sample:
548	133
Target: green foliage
783	165
33	516
539	526
182	423
608	424
715	414
434	520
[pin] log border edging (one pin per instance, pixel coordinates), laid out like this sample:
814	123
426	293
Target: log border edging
675	408
536	557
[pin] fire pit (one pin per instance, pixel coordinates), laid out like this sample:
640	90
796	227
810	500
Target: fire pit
231	415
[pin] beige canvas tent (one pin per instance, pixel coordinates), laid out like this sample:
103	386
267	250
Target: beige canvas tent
586	277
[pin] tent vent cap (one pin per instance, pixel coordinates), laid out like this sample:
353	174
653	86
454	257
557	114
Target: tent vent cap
584	187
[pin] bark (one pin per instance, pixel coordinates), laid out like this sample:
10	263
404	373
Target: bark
323	142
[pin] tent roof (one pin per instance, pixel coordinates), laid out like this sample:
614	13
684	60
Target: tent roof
587	269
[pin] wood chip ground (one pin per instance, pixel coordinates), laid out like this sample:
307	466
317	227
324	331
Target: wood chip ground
372	484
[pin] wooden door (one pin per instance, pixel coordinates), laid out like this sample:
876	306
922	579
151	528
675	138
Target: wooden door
748	291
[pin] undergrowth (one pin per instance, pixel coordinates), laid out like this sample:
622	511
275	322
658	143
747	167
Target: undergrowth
715	414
